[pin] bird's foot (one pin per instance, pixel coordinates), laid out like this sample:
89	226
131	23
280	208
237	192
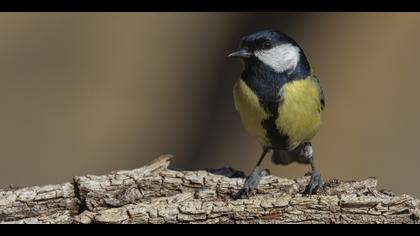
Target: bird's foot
251	182
315	184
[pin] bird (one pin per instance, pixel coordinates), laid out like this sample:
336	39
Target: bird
280	102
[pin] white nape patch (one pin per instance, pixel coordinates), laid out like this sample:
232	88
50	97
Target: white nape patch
280	58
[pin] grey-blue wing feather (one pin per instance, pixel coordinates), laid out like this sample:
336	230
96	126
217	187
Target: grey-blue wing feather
321	93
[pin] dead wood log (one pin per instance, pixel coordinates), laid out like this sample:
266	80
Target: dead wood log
157	194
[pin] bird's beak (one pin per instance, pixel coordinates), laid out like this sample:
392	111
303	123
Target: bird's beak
241	53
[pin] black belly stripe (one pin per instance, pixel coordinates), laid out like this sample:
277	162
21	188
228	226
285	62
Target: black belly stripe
277	140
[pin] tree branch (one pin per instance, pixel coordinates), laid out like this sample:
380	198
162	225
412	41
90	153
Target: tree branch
156	194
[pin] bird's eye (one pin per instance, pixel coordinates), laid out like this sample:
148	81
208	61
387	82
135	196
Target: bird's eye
267	45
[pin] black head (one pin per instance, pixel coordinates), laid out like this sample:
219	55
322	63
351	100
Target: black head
264	40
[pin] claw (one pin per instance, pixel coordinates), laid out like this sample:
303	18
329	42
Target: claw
240	193
251	183
315	184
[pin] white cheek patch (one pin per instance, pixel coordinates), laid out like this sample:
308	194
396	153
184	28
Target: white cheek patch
280	58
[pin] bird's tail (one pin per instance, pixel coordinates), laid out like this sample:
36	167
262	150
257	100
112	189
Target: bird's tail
281	157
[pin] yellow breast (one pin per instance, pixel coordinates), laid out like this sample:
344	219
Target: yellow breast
250	110
299	113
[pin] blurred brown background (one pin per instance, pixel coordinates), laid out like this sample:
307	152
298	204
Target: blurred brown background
93	92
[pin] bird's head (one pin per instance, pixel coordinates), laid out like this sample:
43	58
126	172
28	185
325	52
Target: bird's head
274	49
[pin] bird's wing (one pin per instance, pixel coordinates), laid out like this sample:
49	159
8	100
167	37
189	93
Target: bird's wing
321	93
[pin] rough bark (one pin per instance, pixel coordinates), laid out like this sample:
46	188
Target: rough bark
157	194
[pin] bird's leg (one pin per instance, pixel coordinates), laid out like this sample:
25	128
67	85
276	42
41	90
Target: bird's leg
316	182
252	181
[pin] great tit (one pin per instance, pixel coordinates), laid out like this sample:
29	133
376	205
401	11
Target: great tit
279	100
